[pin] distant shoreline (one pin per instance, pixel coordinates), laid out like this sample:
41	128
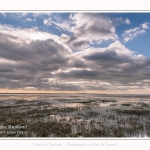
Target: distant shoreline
75	93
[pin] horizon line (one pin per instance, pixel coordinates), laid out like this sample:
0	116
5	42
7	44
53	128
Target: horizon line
81	93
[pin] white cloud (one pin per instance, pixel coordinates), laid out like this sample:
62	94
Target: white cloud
31	59
4	14
132	33
87	28
47	22
29	19
115	64
116	47
64	25
94	26
46	63
127	21
114	60
145	26
119	20
25	35
59	23
39	13
23	13
30	88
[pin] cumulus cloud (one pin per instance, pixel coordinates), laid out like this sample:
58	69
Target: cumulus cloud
30	62
31	59
118	58
88	27
132	33
24	35
114	65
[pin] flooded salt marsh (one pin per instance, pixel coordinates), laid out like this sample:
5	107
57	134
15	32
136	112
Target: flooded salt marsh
74	115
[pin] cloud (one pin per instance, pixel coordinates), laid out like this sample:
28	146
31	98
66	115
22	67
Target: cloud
39	13
27	63
145	26
88	27
127	21
49	64
25	35
112	68
47	22
30	20
4	14
132	33
65	25
116	56
31	59
59	23
119	20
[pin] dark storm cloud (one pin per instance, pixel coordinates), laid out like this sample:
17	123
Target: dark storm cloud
105	56
30	64
35	50
76	62
67	87
125	62
44	51
80	74
78	44
74	41
6	68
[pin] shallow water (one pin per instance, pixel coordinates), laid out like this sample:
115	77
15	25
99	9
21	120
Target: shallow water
121	115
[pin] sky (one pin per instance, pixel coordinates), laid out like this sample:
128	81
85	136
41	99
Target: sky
106	53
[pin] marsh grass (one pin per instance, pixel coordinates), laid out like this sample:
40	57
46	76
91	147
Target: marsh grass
126	104
107	101
134	112
46	119
92	114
